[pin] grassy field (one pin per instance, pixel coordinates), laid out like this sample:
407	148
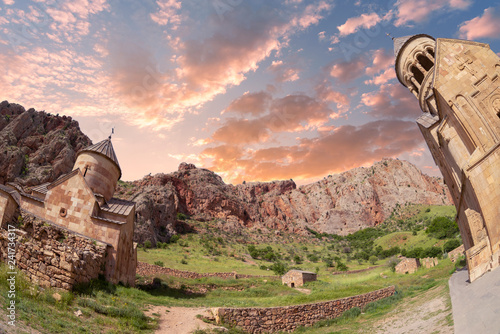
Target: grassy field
108	308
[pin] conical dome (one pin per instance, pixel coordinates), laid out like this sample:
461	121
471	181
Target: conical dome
100	167
104	147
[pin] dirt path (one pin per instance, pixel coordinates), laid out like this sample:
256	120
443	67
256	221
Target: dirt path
179	320
427	313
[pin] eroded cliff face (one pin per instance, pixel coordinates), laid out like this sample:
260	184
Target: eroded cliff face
341	204
36	147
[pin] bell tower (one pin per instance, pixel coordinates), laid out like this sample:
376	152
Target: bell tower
457	84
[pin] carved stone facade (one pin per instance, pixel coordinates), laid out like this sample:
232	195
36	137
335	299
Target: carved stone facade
82	201
457	85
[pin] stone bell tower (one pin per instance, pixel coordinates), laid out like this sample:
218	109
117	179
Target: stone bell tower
457	85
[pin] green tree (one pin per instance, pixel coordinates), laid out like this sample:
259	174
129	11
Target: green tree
373	259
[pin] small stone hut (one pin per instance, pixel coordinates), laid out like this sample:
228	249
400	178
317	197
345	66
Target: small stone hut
295	278
407	266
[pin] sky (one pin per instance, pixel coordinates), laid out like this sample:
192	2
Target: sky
253	90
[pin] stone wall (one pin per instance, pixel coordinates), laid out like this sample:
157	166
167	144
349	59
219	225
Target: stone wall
146	269
429	262
287	319
456	253
53	256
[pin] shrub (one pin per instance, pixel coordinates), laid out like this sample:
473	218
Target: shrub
341	266
184	261
279	268
181	216
297	259
159	263
373	259
451	245
174	238
147	244
392	263
442	227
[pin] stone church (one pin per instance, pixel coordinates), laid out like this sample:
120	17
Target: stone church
82	202
457	85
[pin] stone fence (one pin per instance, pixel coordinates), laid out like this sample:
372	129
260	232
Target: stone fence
146	269
288	318
52	256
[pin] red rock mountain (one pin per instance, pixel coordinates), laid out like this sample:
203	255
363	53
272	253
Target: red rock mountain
340	204
36	147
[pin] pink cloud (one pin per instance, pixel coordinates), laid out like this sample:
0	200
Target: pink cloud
487	25
420	10
348	70
353	24
283	72
325	92
251	103
292	113
392	101
167	13
382	59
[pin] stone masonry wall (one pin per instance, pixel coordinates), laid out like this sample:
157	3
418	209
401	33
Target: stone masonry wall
287	319
52	256
146	269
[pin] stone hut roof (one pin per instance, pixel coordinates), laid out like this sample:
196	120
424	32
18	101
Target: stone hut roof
300	272
105	148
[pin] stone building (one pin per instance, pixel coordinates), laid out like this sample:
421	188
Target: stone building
407	266
82	202
457	86
295	278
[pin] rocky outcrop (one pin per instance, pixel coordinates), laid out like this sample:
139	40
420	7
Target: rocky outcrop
36	147
341	204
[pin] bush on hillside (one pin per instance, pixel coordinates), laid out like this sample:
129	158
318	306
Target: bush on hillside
451	245
442	228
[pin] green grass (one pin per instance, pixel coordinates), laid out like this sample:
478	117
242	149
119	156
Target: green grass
408	241
109	308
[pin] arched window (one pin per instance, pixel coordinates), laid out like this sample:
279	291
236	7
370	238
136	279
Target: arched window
425	62
419	76
431	52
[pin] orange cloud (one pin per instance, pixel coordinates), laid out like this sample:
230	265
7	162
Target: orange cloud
346	147
487	25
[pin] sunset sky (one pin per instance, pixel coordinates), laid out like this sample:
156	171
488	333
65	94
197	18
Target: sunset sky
253	90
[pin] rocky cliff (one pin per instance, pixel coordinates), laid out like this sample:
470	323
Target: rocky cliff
36	147
340	204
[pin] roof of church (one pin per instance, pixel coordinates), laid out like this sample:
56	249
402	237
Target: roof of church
105	148
399	42
118	206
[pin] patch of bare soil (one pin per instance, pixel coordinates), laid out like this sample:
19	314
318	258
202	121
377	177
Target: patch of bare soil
429	312
180	320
